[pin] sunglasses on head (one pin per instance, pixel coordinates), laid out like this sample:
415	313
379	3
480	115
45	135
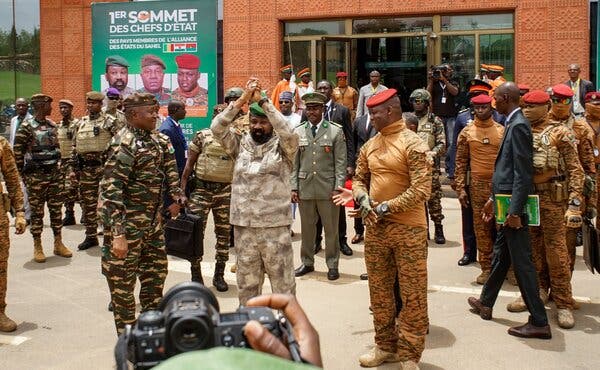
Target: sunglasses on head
564	101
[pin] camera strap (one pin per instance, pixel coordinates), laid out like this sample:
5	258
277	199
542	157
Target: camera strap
293	345
121	350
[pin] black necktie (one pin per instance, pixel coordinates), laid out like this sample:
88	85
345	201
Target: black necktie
313	128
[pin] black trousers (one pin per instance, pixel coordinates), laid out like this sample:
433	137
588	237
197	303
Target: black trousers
468	232
341	227
513	246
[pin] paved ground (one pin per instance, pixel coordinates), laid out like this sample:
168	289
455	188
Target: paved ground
60	307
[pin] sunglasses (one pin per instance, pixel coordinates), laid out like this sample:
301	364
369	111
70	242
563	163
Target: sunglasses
417	101
114	97
564	101
285	102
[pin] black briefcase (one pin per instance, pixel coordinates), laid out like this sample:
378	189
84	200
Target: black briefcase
184	237
590	246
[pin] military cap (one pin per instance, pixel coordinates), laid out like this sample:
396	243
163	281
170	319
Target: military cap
139	100
421	94
523	88
484	67
481	99
113	93
305	71
536	97
476	85
286	69
41	98
94	95
562	91
116	60
66	101
314	98
286	95
381	97
495	68
341	74
233	92
256	110
150	60
187	61
592	95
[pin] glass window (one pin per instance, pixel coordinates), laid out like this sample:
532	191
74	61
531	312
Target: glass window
459	52
477	22
385	25
498	49
336	57
315	28
297	53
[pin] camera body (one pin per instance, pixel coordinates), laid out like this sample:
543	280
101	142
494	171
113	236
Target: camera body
189	320
436	71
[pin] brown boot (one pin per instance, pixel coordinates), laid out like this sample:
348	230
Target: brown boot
6	324
38	251
60	249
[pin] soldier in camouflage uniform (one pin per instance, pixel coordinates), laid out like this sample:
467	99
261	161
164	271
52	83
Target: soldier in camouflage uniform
431	130
592	116
37	155
90	142
260	193
140	166
13	199
477	147
560	113
393	171
213	171
66	127
558	179
113	107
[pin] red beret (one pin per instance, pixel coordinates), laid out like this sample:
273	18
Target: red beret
341	74
481	99
524	87
187	61
381	97
536	97
593	95
562	91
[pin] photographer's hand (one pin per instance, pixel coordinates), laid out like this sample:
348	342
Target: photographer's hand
307	337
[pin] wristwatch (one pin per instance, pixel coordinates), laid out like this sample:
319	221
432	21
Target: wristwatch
575	202
382	209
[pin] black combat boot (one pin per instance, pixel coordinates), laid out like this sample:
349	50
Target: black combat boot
218	280
89	242
195	269
439	234
69	219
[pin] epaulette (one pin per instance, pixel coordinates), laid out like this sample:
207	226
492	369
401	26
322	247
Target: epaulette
335	124
464	110
301	124
127	138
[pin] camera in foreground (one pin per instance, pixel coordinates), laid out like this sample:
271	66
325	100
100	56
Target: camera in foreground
189	320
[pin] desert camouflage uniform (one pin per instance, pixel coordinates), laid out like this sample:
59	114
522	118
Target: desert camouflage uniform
89	166
139	165
201	98
42	177
431	130
66	130
594	123
260	202
555	161
393	167
476	149
13	185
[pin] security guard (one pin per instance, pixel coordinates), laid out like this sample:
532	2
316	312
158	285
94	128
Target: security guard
319	169
431	130
66	127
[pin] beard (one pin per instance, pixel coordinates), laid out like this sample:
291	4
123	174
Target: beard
260	137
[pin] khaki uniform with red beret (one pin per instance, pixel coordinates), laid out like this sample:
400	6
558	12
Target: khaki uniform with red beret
346	95
592	116
197	96
393	167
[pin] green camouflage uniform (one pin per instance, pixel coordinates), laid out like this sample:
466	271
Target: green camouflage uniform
37	155
89	161
66	131
431	130
13	185
163	97
140	163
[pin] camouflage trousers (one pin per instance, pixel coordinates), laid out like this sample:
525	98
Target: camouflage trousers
434	204
4	246
549	251
146	260
45	187
390	249
217	198
479	193
263	250
89	182
71	188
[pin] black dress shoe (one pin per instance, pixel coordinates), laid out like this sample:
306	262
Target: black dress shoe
303	270
531	331
345	248
110	306
333	274
358	238
89	242
465	260
364	276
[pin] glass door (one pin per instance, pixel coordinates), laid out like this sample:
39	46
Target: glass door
333	57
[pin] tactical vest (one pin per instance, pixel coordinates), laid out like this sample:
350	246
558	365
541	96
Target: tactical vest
45	149
92	137
213	163
65	140
426	130
596	139
545	155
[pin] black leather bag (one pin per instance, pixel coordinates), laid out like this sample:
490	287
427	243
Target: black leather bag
591	249
184	237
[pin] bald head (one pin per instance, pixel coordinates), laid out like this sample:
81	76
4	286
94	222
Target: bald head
176	110
21	106
507	97
574	71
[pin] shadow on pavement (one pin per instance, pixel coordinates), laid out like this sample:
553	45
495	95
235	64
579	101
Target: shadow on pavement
51	262
25	327
439	337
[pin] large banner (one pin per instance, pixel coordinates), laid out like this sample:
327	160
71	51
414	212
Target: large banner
167	48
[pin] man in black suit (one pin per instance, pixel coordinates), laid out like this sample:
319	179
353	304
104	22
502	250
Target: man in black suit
580	87
513	174
339	114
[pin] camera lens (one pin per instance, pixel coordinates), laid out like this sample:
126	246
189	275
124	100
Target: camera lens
190	333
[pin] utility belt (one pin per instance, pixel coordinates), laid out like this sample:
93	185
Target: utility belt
557	187
89	162
209	185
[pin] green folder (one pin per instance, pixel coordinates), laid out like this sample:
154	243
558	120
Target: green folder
532	208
